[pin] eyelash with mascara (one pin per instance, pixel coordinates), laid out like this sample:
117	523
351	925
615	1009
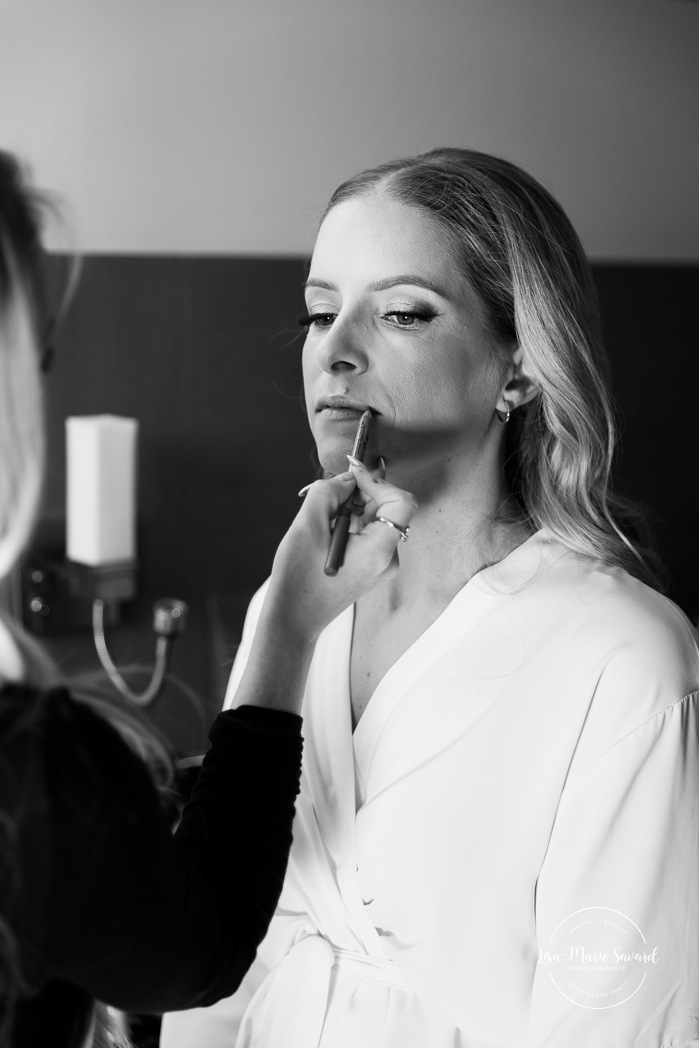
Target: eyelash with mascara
423	315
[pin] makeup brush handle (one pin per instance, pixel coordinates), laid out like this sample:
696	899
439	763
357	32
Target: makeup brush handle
338	539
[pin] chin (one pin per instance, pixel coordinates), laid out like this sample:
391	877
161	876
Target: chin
333	461
333	444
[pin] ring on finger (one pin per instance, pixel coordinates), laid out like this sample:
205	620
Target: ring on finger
403	533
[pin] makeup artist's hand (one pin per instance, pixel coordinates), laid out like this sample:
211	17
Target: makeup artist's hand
300	592
302	600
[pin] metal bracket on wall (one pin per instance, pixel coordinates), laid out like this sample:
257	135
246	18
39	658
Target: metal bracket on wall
62	596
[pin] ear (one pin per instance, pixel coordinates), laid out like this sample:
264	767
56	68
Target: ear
519	387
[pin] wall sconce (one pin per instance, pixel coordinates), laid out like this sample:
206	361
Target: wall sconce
99	570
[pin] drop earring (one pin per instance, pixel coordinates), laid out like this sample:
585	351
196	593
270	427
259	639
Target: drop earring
504	416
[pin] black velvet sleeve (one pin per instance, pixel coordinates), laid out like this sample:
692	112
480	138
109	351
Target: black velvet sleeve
133	916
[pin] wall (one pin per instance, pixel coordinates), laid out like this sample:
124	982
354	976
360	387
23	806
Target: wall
221	126
206	353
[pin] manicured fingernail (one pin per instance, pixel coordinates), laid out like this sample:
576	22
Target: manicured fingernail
345	476
382	464
304	491
355	462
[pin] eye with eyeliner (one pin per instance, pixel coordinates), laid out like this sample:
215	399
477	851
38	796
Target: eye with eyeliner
415	317
408	319
307	320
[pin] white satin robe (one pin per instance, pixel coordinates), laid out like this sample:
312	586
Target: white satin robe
532	754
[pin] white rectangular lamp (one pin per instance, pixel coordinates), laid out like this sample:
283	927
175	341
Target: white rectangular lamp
101	478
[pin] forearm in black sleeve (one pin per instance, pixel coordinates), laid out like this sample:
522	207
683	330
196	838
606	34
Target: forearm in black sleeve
236	829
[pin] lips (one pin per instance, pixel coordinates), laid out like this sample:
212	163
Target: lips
341	407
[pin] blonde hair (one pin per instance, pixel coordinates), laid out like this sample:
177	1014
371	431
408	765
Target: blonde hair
21	404
520	253
22	454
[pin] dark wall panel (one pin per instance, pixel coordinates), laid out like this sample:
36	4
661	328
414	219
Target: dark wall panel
206	353
649	318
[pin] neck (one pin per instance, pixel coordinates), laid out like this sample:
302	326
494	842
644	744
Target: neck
465	521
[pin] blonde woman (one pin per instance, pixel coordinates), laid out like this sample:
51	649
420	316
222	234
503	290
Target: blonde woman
496	838
97	901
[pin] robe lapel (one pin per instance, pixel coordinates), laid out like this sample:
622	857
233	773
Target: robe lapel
327	729
464	613
329	775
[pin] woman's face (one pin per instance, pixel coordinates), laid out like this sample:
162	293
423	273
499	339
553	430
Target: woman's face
394	326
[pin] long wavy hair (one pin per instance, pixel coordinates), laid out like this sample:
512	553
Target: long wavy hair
23	316
21	400
519	251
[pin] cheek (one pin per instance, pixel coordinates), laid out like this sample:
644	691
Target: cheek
454	388
307	372
305	360
433	383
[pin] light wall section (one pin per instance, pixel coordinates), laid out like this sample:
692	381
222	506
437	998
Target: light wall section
221	126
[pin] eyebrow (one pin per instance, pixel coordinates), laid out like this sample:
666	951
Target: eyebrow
384	285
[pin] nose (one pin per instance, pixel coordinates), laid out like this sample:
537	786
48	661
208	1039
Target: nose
342	348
